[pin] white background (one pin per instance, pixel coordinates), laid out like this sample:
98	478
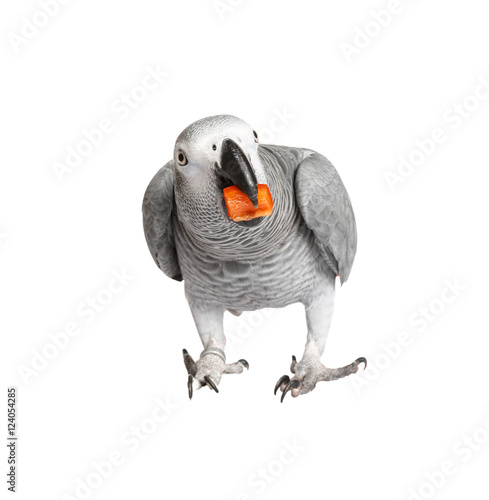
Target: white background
375	435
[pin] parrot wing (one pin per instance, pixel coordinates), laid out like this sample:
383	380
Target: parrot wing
158	210
326	209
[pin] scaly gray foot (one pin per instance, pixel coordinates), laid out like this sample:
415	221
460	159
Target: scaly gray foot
208	370
309	371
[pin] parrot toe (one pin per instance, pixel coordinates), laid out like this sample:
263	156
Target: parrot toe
208	370
285	379
244	363
293	384
308	372
281	384
209	382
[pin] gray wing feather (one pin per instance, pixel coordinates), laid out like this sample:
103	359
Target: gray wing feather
158	207
326	209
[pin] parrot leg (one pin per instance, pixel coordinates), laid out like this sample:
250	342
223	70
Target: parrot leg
208	370
309	370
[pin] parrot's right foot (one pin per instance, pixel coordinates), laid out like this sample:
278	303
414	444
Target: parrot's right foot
208	370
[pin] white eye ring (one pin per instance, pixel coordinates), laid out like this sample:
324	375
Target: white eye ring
256	136
181	158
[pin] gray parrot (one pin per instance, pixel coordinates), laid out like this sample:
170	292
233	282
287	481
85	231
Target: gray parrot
293	255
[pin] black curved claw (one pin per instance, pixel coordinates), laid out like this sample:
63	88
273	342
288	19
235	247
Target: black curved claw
361	360
210	383
244	363
281	380
293	364
190	364
293	384
189	385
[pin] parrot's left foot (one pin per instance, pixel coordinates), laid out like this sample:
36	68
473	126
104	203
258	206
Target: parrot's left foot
208	370
309	371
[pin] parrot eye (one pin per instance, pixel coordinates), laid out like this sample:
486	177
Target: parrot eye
181	158
256	136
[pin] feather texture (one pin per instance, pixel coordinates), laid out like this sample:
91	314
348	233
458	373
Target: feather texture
158	211
327	211
283	260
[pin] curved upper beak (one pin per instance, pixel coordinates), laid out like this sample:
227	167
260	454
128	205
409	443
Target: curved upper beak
236	167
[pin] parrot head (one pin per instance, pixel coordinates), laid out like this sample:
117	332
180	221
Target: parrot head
217	165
